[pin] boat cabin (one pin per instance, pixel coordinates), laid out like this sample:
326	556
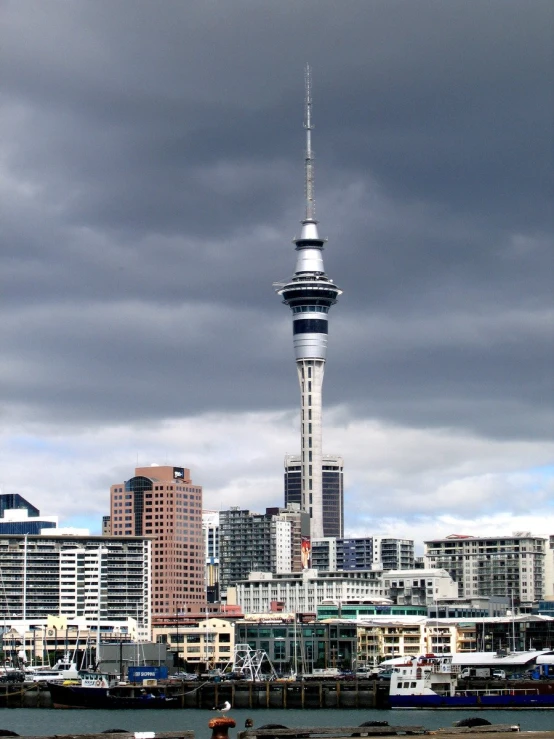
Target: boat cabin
90	679
425	675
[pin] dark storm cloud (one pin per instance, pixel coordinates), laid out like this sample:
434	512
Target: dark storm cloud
152	179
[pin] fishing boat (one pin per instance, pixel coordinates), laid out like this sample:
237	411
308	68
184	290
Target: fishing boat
432	681
100	690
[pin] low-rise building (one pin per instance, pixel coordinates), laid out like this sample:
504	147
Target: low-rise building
43	641
418	587
198	644
387	637
297	646
468	607
354	610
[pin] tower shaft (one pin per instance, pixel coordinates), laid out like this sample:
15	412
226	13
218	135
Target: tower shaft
310	377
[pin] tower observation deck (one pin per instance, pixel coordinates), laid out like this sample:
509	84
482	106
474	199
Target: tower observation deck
310	294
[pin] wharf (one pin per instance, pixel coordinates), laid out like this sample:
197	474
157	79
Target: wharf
497	731
240	694
477	732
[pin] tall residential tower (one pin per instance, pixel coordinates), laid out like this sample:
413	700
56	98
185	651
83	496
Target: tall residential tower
310	294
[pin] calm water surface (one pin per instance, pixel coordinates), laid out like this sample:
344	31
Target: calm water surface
47	722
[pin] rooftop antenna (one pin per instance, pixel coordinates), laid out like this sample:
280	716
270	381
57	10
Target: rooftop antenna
309	158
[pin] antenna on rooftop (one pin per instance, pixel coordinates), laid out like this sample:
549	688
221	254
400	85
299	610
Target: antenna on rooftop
309	157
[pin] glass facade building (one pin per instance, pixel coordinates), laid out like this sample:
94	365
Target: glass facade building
18	516
301	646
25	527
12	501
332	472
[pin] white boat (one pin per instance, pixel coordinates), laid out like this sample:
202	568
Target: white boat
432	681
64	669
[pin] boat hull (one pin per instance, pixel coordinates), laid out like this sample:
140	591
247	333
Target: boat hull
472	701
76	696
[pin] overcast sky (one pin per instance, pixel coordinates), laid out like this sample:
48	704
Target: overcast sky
151	177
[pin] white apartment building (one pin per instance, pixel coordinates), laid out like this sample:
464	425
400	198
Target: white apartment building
302	592
76	576
549	569
510	566
281	533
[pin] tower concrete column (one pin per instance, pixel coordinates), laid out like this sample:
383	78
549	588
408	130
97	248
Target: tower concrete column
310	377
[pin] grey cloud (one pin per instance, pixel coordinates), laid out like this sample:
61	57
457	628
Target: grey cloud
153	179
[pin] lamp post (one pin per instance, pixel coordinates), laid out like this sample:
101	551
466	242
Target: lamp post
178	645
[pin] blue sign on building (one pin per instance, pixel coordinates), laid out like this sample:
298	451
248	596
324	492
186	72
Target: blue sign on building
145	672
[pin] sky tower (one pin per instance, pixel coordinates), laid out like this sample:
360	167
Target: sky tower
309	294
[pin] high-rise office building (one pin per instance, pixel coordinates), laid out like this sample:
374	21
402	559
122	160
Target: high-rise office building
332	490
310	294
162	501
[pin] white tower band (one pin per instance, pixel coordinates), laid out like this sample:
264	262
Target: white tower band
310	294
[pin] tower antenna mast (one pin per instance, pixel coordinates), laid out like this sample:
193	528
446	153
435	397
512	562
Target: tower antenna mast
309	157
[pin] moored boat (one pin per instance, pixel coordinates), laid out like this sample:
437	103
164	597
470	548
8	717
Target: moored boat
432	681
98	690
64	669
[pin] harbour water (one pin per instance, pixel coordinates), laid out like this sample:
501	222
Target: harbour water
48	722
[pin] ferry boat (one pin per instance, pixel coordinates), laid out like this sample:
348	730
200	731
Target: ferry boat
432	681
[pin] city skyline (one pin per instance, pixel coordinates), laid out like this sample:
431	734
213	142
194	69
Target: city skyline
151	176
